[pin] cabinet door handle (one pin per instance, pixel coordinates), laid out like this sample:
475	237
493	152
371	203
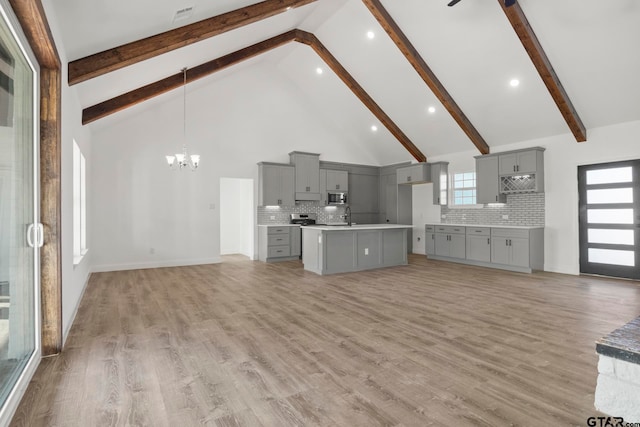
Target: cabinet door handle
308	188
488	241
496	198
433	237
337	186
517	168
408	178
514	168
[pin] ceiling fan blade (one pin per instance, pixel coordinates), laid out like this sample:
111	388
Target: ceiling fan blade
508	3
453	3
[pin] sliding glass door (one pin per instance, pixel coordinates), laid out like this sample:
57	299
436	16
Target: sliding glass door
20	233
610	219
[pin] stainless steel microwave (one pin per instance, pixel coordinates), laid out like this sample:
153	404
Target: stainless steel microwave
334	198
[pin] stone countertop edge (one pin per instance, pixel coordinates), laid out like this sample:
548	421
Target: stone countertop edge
522	227
357	227
623	343
278	225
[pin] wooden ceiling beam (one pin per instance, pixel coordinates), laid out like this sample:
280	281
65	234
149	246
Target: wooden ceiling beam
109	60
421	67
129	99
343	74
532	45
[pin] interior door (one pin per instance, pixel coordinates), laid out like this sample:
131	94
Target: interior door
610	219
20	232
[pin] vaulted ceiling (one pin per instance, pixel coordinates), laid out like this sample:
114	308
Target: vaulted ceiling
471	49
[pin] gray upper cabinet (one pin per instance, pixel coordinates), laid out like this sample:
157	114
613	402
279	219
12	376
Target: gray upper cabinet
337	180
440	179
276	186
307	175
323	186
487	181
415	174
520	162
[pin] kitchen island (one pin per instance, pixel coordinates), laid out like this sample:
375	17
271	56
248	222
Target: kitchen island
330	249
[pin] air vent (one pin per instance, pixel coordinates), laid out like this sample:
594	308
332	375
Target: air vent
183	14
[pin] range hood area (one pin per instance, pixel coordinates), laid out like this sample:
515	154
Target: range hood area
307	175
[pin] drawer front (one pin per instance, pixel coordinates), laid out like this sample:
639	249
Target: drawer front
478	231
278	230
510	232
429	228
450	229
278	240
278	251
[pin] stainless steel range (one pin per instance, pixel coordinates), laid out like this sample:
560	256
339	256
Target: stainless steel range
303	219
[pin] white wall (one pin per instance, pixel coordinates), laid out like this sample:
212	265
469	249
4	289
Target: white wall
249	115
562	157
237	213
74	279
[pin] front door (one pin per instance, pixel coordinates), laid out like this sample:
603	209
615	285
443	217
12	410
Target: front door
610	219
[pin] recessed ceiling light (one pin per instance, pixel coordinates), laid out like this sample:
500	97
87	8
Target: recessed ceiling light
514	82
374	128
431	110
319	70
370	34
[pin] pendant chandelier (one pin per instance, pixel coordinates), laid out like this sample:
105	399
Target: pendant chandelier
182	160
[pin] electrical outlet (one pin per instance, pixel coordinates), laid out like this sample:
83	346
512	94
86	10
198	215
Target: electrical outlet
366	251
418	239
505	216
443	216
272	217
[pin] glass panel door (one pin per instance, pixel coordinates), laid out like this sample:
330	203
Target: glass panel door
19	235
610	219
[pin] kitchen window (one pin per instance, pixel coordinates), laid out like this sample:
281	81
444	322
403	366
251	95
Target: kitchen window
464	189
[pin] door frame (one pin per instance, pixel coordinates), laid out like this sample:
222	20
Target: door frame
33	21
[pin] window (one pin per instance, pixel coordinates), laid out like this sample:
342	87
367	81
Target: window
464	188
79	205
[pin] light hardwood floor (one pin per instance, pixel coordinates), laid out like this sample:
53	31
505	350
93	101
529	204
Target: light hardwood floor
248	344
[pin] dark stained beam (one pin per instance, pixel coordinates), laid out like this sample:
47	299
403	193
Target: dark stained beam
122	56
343	74
144	93
421	67
33	21
129	99
528	38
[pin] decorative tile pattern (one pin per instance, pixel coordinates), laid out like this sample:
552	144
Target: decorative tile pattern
281	214
522	209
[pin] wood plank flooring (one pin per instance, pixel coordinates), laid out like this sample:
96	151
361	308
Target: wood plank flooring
245	343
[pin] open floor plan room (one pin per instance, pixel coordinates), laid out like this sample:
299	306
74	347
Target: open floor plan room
251	343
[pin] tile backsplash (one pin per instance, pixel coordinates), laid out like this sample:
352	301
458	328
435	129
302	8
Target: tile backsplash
281	214
521	209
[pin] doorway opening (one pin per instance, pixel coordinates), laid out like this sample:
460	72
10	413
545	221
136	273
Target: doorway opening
236	217
610	219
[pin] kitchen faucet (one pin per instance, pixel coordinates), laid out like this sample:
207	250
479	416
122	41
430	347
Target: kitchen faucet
347	215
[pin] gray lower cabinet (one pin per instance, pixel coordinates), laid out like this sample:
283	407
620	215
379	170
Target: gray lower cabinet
511	247
430	239
479	244
450	241
516	249
278	243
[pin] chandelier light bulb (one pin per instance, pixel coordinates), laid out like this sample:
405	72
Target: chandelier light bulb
170	160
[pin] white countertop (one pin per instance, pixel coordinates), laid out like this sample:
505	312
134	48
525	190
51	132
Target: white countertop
278	225
357	227
522	227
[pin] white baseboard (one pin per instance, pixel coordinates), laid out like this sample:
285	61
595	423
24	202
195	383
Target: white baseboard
65	334
159	264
